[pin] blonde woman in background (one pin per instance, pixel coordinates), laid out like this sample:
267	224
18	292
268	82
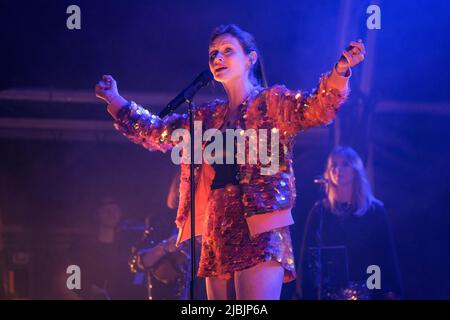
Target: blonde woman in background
351	219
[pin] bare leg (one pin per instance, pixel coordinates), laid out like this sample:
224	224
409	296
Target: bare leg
219	289
261	282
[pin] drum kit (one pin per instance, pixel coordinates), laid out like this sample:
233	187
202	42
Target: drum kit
168	267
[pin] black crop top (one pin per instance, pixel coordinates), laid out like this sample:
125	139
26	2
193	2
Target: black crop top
225	173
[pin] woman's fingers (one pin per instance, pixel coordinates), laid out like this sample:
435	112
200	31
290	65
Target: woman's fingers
348	57
358	52
103	85
360	58
108	79
106	88
100	88
353	59
359	46
353	55
110	82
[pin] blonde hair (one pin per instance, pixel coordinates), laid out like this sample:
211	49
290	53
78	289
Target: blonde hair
362	196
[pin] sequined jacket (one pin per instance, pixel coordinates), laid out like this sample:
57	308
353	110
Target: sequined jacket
267	199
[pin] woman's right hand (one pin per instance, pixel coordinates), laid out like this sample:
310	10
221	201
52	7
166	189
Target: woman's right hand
106	89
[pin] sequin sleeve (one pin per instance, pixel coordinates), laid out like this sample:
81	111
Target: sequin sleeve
294	110
147	129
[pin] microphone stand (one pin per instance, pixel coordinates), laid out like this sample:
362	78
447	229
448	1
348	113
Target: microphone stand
319	279
191	107
187	96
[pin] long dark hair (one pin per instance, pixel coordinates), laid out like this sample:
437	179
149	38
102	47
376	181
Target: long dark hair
248	43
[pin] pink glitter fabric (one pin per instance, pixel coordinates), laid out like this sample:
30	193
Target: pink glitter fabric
227	245
275	108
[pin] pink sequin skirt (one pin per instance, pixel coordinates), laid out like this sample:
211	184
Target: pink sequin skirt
227	245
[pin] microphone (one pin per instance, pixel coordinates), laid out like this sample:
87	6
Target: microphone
188	93
320	180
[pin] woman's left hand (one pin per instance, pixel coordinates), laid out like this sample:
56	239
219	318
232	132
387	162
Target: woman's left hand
352	56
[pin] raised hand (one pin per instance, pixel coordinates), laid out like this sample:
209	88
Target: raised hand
352	56
106	89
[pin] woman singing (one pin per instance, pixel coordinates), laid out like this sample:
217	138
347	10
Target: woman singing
242	214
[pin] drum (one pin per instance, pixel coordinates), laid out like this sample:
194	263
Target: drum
170	267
